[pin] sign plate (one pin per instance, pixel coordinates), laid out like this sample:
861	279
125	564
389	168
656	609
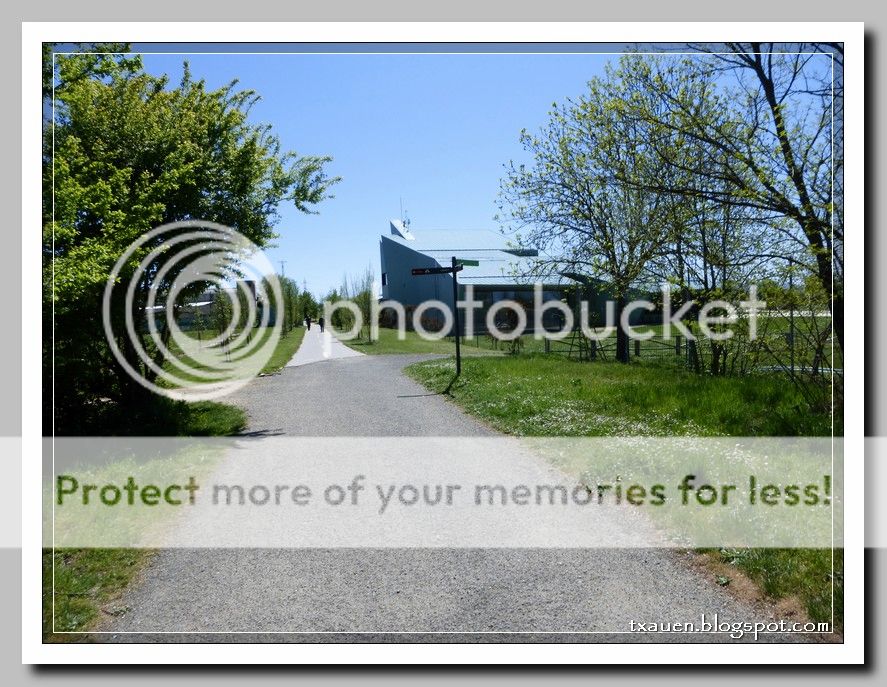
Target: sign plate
418	271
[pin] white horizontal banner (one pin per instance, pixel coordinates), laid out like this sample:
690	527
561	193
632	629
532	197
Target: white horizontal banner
378	492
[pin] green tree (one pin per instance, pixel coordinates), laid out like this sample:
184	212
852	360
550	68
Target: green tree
774	144
307	305
362	294
221	314
285	313
571	202
127	151
290	303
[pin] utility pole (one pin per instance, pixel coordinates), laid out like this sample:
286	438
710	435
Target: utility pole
283	268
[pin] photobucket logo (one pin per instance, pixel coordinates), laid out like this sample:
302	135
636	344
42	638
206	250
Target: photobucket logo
166	276
509	319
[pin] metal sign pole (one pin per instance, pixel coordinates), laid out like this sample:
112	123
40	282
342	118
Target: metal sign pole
457	267
456	318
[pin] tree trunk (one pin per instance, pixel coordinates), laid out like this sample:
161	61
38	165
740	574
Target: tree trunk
693	356
838	318
815	229
717	353
622	352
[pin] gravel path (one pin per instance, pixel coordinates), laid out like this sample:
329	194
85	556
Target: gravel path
316	595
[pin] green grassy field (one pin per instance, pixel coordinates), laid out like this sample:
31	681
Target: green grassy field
286	347
544	395
389	344
548	395
86	581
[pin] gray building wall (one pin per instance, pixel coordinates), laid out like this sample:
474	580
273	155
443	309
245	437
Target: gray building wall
398	284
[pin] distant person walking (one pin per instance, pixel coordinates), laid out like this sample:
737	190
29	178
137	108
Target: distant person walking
308	322
320	321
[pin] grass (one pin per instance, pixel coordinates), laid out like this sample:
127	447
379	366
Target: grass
545	395
389	344
86	582
284	350
540	395
802	574
211	419
156	415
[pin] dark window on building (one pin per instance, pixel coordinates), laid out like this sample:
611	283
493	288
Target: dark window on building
384	278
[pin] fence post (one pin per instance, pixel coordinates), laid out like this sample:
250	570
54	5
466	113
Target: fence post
593	350
547	344
677	345
637	347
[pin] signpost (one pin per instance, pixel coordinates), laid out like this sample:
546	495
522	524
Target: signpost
457	267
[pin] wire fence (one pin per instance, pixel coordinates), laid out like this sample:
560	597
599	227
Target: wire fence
793	342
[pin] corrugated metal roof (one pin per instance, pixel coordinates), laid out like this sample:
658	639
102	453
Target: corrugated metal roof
512	273
456	239
494	251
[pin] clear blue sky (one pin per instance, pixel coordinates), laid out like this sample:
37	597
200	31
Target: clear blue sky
434	130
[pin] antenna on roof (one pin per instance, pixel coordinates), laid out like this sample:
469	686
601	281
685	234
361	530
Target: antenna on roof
404	218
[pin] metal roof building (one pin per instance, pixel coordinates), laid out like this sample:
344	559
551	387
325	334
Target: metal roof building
499	275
